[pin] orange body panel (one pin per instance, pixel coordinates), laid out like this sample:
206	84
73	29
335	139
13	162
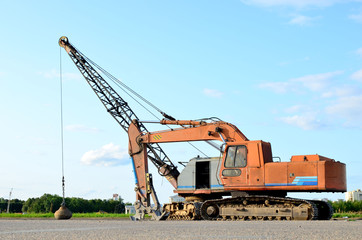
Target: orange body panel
202	132
139	160
315	173
304	173
320	175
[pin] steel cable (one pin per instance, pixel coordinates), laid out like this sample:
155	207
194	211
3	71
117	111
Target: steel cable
61	122
124	88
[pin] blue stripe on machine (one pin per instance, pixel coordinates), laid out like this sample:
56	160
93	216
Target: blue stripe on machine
134	171
307	180
298	181
304	184
212	186
276	184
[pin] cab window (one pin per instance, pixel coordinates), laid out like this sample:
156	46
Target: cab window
236	157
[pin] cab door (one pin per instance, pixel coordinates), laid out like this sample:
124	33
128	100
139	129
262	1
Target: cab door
233	172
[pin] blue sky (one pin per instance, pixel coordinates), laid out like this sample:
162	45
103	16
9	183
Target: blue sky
287	72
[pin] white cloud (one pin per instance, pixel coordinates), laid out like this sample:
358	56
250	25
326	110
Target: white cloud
357	75
340	91
359	52
342	104
107	155
302	20
55	74
356	17
81	128
278	87
328	102
306	122
292	3
295	108
314	82
349	108
213	93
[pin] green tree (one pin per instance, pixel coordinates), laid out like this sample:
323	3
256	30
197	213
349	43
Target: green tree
51	203
347	206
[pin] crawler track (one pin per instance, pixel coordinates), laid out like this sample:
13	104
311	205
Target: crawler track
259	208
251	208
183	211
325	210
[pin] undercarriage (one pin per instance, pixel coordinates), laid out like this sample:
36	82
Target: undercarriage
249	208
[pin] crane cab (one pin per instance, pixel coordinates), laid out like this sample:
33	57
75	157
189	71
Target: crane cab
243	164
215	175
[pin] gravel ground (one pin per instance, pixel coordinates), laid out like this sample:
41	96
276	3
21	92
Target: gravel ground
125	229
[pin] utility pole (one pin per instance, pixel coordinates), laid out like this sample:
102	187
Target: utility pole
9	201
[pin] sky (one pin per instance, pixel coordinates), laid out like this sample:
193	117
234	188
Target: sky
286	72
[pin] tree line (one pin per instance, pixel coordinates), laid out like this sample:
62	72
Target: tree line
51	203
15	206
347	206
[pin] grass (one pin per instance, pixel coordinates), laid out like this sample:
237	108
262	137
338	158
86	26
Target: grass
348	215
75	215
28	215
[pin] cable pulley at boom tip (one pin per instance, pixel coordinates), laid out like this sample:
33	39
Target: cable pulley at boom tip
62	41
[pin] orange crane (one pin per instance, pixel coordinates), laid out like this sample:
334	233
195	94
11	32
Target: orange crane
243	183
246	172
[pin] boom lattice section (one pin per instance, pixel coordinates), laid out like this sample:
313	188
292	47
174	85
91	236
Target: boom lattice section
115	104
